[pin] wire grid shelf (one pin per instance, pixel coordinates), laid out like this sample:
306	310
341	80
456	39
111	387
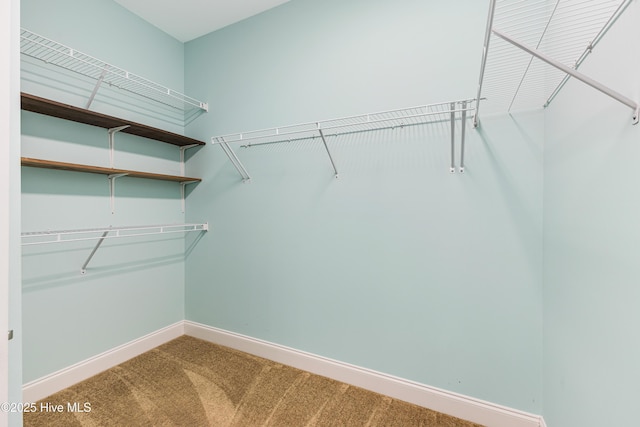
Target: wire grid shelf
566	30
61	236
391	119
51	52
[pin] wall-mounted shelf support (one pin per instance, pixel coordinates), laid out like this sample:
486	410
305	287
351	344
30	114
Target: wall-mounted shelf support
462	134
183	192
112	189
112	143
83	269
96	87
324	141
234	159
573	73
101	234
182	150
589	49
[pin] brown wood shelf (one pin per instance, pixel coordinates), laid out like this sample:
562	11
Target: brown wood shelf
69	112
50	164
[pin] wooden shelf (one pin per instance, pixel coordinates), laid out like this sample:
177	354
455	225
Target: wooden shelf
49	164
69	112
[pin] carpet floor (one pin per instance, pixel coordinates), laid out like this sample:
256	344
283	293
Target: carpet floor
191	382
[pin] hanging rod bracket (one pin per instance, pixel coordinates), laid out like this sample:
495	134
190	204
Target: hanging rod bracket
83	269
96	87
232	157
326	147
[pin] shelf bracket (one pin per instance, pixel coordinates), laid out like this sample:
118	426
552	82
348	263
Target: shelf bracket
112	189
183	191
96	87
234	159
83	269
462	134
182	150
324	141
570	71
112	142
452	168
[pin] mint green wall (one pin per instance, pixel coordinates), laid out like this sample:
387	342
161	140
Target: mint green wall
133	286
398	265
591	236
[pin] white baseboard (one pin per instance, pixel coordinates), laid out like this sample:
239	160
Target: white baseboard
454	404
52	383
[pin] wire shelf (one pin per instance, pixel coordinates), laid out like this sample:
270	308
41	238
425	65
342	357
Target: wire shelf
62	236
420	115
51	52
566	30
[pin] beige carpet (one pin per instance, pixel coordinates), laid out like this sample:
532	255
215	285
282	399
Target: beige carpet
190	382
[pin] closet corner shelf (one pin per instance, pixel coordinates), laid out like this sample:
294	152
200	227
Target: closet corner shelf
50	164
69	112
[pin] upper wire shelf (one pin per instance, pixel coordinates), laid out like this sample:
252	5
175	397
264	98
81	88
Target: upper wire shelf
567	31
444	112
412	116
51	52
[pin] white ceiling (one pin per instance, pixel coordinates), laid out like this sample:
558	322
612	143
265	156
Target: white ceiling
189	19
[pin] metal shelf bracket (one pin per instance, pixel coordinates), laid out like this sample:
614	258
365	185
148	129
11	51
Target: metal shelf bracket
112	142
232	156
324	141
112	189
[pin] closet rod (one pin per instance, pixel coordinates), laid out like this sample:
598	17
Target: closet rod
587	80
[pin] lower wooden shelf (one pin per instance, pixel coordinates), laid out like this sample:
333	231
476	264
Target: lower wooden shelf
50	164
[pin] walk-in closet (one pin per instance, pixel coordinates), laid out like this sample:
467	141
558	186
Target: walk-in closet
306	212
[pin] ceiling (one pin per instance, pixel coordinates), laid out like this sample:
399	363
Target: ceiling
189	19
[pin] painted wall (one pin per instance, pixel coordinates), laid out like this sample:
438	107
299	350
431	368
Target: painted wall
132	286
10	292
398	265
591	234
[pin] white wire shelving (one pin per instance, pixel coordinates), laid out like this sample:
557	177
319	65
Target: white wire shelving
399	118
532	48
101	234
52	52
